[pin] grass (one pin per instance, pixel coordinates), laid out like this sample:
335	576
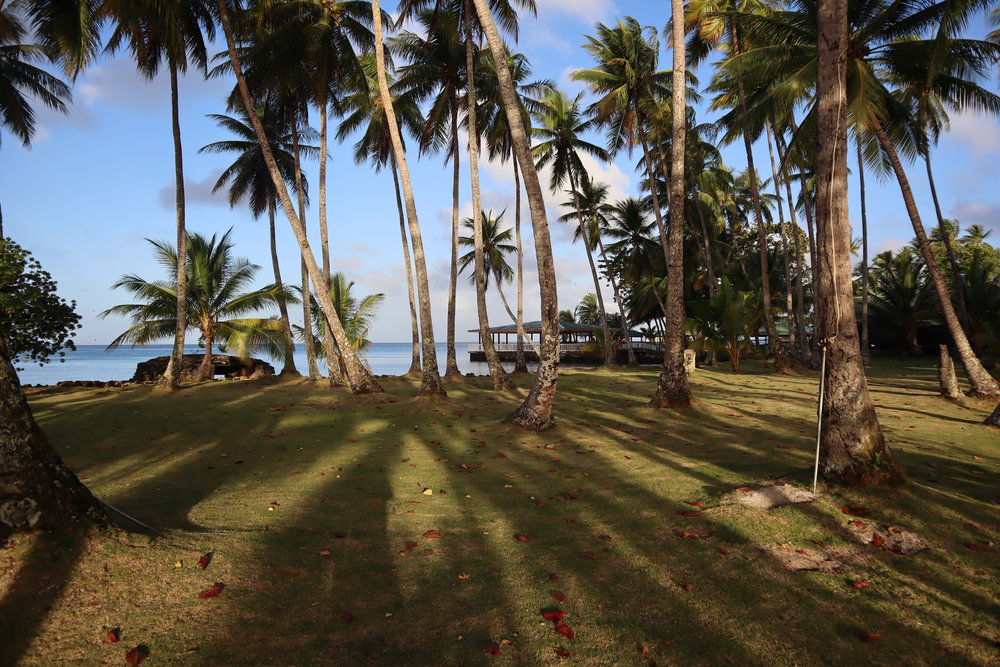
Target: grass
307	500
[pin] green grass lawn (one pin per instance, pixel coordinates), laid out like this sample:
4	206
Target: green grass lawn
313	506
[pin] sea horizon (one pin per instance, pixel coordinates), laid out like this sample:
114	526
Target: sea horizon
97	363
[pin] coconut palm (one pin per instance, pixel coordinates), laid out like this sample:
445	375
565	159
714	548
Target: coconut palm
362	111
356	312
360	379
218	301
900	298
176	34
248	179
535	413
560	124
886	52
724	322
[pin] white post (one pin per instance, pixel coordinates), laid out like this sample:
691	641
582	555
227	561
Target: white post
819	414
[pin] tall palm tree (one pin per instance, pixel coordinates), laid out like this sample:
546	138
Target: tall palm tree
360	380
535	413
672	386
248	179
174	33
434	72
217	301
431	381
881	43
853	447
362	110
561	124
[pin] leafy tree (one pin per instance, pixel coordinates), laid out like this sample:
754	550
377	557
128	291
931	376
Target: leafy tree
36	322
724	322
217	301
356	312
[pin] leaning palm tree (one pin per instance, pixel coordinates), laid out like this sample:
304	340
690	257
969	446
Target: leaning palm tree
217	301
359	378
561	124
535	413
175	33
356	312
248	179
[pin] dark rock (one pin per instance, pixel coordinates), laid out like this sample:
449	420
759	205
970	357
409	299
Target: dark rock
227	365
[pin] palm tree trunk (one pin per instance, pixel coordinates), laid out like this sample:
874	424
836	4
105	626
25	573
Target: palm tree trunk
37	490
206	368
707	251
626	328
500	379
800	297
956	273
609	348
789	307
307	331
813	258
994	418
853	449
430	384
360	380
288	365
171	378
333	374
672	386
536	411
520	366
414	322
866	356
451	365
983	384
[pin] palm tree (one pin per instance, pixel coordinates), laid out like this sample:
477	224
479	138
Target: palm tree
248	179
357	314
360	380
435	73
535	413
672	386
900	297
948	67
561	123
217	301
362	109
725	322
854	449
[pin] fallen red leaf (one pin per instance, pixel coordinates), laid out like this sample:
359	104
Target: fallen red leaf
869	637
410	545
560	651
210	592
802	551
855	511
564	630
346	617
606	538
522	538
877	540
686	535
687	512
557	595
204	561
686	586
696	504
553	577
553	615
569	496
855	522
724	551
818	543
587	554
978	458
859	584
432	534
975	547
111	636
745	489
136	655
492	649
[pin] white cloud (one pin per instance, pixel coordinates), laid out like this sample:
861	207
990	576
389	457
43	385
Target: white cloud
587	11
981	133
968	212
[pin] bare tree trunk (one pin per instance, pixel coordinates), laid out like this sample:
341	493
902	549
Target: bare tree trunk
307	331
866	356
500	379
37	490
171	378
789	307
983	384
431	380
609	353
813	258
520	366
946	376
414	322
800	298
451	365
853	451
672	386
288	364
956	273
707	251
360	380
333	374
994	419
206	369
536	411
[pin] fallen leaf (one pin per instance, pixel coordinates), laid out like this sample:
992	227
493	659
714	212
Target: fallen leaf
724	551
553	577
136	655
686	586
112	635
869	637
553	615
428	492
491	649
802	551
560	651
877	540
978	458
606	538
587	554
855	522
522	538
818	543
975	547
432	534
564	630
557	595
210	592
696	504
464	576
859	584
745	489
205	560
346	617
854	511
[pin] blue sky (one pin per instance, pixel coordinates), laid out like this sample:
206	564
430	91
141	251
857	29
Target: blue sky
99	180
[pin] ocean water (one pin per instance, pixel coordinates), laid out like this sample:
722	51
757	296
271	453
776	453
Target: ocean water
94	362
